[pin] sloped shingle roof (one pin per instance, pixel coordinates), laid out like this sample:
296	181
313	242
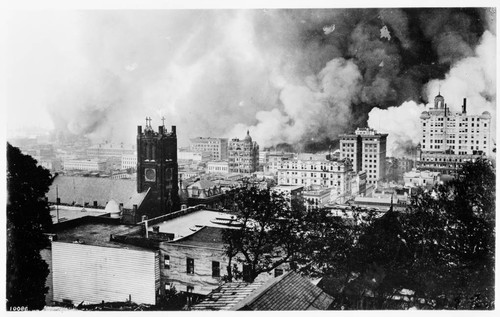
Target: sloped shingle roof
290	291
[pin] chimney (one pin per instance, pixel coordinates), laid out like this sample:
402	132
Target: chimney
95	203
464	106
134	210
139	129
173	129
160	129
121	206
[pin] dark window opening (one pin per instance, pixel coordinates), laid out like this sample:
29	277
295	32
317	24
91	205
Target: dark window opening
166	261
189	266
246	273
215	269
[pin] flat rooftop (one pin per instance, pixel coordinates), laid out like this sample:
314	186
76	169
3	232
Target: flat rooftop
185	225
287	187
69	213
95	234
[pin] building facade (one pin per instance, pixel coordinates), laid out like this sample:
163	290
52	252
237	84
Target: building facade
218	167
243	155
335	175
217	147
316	199
367	150
110	150
451	139
129	161
275	160
194	156
84	165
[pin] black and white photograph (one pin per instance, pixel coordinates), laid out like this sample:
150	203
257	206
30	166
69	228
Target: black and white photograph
281	157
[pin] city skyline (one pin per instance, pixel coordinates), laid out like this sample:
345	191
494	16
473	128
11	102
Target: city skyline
289	76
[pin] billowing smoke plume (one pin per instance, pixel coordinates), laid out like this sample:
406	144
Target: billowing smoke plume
472	78
289	76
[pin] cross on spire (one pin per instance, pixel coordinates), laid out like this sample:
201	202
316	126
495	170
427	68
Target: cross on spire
163	121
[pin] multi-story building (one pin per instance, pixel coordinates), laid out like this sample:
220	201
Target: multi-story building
194	156
84	165
110	150
450	139
220	167
416	178
367	150
129	161
263	157
274	161
329	174
243	155
217	147
316	198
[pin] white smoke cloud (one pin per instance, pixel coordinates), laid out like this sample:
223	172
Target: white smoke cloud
318	108
401	123
472	78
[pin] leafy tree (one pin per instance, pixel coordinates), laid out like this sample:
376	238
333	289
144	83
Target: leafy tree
441	247
275	230
28	217
269	234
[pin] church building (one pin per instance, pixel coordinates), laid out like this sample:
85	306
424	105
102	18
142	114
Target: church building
157	174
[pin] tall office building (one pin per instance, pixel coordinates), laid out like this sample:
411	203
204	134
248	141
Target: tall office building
243	155
450	139
217	147
367	150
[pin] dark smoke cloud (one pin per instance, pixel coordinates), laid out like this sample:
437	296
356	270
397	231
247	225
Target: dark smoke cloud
290	76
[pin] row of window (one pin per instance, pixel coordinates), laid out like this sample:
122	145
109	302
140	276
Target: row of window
215	268
190	266
302	181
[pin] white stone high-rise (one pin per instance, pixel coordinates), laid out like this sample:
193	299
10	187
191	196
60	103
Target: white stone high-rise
451	138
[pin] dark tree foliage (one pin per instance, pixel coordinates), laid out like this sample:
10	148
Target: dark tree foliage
28	217
270	232
437	254
276	230
441	248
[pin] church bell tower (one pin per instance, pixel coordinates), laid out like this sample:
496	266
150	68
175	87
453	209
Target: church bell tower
157	169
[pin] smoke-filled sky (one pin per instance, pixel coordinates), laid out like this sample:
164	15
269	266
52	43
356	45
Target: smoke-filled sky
296	76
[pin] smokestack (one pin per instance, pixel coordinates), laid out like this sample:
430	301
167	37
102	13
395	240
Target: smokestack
139	129
160	129
464	106
173	129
